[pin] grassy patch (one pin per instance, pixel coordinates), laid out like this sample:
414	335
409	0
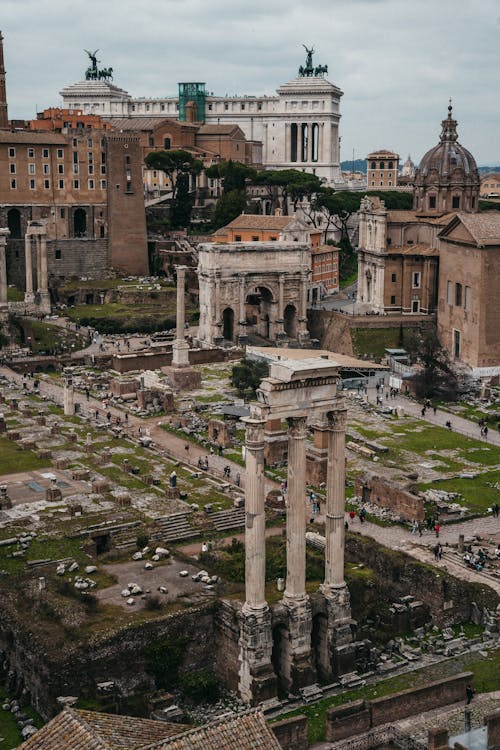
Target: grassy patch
373	341
14	295
13	459
479	493
9	730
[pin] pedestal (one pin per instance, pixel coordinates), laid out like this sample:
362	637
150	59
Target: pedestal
298	669
180	353
341	648
257	680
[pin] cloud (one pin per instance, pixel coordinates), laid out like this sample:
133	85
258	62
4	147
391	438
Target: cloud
397	61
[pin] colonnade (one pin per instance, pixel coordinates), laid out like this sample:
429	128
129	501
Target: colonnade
36	237
297	668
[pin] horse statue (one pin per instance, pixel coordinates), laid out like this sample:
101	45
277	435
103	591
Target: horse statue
106	74
321	70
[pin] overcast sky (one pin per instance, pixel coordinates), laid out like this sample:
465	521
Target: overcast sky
397	61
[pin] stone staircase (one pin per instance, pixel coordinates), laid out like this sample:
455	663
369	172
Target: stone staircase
173	528
228	519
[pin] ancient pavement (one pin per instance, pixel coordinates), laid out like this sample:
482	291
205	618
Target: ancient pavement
395	537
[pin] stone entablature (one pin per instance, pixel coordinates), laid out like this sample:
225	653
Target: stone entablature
257	286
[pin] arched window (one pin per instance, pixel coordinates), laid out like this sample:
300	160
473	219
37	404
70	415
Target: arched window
374	165
382	165
390	165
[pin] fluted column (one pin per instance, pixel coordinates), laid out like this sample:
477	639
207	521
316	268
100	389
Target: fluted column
180	347
242	336
68	393
29	296
280	320
43	285
335	500
295	522
255	526
38	263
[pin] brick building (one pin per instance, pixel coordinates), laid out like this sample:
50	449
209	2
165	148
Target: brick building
382	169
442	258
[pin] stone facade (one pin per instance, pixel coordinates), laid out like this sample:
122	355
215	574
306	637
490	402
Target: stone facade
257	287
382	170
388	494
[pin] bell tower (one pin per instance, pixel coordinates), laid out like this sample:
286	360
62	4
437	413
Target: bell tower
4	118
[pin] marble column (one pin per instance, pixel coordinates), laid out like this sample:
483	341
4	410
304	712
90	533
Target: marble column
296	520
280	320
68	394
242	335
38	263
255	528
338	655
218	338
297	669
257	681
335	500
4	308
29	295
43	285
180	347
303	333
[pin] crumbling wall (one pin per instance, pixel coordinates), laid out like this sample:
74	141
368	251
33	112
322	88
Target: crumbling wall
388	494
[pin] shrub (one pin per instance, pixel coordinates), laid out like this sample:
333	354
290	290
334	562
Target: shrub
163	659
142	541
201	686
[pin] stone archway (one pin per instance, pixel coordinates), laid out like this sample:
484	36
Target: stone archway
80	223
259	311
228	324
290	321
280	656
14	223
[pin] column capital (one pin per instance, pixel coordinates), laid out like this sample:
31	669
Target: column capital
297	427
254	432
337	420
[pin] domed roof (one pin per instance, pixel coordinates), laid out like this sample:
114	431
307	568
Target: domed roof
449	160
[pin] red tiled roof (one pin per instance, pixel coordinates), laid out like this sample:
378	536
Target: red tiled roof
246	732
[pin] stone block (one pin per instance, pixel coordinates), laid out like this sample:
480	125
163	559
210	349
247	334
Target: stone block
73	437
100	485
75	509
53	494
81	475
28	444
292	733
44	453
13	434
172	493
123	500
40	420
61	463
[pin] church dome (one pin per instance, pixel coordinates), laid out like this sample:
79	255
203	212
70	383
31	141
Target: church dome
447	177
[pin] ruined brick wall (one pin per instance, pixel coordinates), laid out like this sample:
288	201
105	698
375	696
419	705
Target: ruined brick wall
448	599
347	720
291	733
417	700
155	360
227	662
387	494
48	671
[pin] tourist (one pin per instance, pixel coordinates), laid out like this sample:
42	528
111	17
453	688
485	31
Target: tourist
448	424
352	515
436	552
172	480
485	430
238	479
437	529
186	448
468	693
420	528
220	450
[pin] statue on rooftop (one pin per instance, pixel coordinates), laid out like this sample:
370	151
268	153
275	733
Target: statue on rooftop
308	70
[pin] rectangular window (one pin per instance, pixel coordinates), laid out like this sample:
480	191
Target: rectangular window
255	238
12	152
63	213
46	184
59	153
273	239
13	184
416	280
458	295
58	255
91	184
393	278
89	142
237	237
61	184
12	168
393	299
31	169
60	169
455	203
76	168
467	305
432	201
32	184
76	184
75	142
456	344
31	153
45	153
449	293
75	157
46	168
103	184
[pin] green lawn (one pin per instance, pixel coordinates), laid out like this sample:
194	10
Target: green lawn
14	295
13	459
479	493
374	341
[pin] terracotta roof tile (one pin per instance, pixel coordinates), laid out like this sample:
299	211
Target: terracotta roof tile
257	221
89	730
484	227
246	732
32	137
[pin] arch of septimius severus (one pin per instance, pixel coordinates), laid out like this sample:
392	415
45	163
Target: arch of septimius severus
278	646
